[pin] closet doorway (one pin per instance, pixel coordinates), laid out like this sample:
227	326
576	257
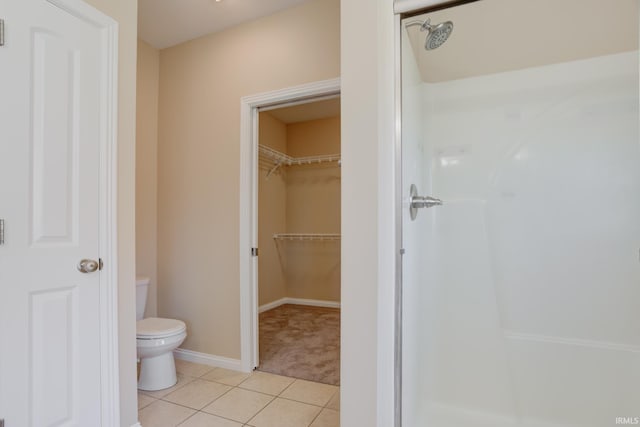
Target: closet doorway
298	280
251	108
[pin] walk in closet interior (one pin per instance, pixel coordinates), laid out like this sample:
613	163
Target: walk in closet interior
299	240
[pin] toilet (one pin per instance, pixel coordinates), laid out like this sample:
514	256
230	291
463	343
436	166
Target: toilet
156	339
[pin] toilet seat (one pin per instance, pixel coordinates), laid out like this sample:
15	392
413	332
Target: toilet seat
153	328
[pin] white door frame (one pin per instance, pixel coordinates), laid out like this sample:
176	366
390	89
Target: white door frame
109	367
249	106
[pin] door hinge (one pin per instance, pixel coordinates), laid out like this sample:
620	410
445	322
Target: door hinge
1	239
1	44
254	251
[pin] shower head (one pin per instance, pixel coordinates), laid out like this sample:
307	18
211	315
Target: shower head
436	34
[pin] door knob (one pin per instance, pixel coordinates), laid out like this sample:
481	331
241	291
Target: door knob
416	202
88	266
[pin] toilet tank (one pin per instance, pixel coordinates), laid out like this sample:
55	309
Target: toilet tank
142	287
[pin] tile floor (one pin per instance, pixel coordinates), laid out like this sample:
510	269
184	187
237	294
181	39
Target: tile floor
214	397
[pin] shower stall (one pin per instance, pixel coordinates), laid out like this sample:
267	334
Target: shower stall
519	298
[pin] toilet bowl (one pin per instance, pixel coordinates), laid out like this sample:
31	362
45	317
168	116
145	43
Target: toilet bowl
156	338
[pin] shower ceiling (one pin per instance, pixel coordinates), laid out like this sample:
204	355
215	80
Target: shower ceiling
493	36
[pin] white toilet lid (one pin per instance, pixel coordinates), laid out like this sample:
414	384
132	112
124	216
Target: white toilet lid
158	327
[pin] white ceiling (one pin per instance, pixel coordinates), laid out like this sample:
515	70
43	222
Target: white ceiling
164	23
493	36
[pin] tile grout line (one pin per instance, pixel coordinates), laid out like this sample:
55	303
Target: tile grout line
185	420
160	398
179	404
238	386
331	398
287	387
263	408
207	404
176	404
279	396
300	401
307	403
274	397
315	418
184	385
208	413
220	416
243	389
219	397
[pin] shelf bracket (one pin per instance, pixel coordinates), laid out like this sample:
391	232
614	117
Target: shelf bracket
274	168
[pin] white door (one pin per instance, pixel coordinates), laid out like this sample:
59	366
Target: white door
50	120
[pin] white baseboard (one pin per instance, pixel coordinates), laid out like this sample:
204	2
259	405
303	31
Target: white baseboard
208	359
298	301
137	425
313	302
271	305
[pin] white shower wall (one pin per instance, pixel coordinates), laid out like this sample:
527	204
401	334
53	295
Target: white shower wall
524	310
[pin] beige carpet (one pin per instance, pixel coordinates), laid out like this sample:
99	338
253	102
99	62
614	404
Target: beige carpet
301	342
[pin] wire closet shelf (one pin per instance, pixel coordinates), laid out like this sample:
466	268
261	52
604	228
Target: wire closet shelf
281	159
306	236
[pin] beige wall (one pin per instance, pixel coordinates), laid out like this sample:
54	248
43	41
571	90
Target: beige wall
272	213
313	206
125	12
147	169
201	83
